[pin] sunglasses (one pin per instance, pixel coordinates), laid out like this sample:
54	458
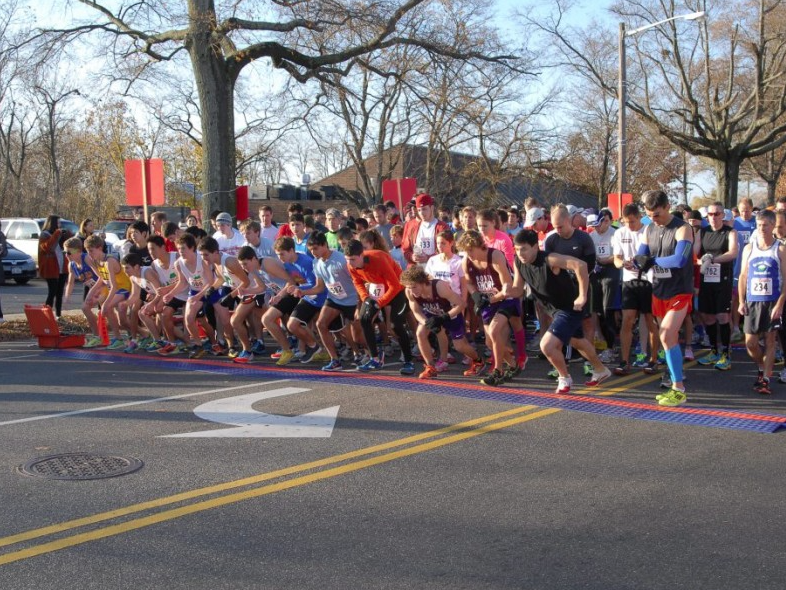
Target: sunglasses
714	214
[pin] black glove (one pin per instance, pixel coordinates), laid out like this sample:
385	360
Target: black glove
643	262
481	301
227	301
368	310
437	322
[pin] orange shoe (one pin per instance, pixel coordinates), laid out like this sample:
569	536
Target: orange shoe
430	372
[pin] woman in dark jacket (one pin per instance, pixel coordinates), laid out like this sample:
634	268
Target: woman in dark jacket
51	262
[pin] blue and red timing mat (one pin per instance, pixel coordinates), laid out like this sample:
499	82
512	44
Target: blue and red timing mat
716	418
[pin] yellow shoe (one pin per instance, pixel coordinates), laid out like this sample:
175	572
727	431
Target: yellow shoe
285	358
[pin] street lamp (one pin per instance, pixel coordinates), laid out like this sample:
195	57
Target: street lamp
622	93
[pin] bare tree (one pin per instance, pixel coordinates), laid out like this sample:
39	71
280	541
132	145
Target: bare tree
717	94
305	40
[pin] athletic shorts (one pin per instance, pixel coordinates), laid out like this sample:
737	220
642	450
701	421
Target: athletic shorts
508	307
258	300
757	321
304	312
660	307
176	304
346	314
287	304
637	295
566	325
715	299
456	327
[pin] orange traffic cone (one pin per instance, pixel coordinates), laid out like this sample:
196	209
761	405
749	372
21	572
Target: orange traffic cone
103	331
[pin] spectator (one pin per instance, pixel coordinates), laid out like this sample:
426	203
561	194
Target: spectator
51	262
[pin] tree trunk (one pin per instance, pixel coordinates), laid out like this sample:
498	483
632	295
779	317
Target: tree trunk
215	83
772	185
727	175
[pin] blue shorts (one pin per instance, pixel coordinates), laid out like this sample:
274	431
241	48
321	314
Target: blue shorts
566	325
508	307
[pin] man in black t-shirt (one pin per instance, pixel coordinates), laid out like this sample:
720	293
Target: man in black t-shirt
563	298
139	234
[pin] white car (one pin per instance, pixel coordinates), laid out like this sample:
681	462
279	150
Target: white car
23	233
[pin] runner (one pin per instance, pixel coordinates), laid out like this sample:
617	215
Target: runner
550	282
604	281
636	290
761	296
667	249
716	250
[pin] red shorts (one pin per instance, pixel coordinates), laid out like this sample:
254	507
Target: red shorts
661	306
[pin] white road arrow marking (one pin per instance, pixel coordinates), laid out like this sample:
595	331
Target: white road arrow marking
250	423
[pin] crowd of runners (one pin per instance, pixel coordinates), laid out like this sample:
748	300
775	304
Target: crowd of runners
478	288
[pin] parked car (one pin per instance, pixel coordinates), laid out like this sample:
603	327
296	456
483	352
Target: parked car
18	266
23	233
65	225
115	231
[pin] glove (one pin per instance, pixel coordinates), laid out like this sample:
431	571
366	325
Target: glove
368	310
481	301
643	262
227	301
706	260
437	322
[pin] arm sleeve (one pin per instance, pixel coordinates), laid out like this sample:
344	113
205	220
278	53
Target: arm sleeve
390	272
644	250
682	254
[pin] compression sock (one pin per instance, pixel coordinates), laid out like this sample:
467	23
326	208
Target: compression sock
674	361
725	336
521	341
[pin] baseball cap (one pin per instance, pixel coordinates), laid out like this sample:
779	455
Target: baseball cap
573	210
593	220
224	217
533	215
423	199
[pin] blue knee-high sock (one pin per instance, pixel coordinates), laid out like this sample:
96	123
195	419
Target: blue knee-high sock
674	362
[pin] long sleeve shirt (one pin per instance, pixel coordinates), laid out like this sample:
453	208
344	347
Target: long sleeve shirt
378	270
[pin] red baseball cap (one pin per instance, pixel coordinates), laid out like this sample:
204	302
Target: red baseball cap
423	199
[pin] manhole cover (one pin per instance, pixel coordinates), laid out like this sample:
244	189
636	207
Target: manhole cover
80	466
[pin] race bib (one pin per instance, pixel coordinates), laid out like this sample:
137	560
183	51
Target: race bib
603	250
337	290
197	282
659	272
745	237
712	273
426	245
761	287
375	291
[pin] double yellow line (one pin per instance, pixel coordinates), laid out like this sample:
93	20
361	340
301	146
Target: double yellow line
160	510
312	472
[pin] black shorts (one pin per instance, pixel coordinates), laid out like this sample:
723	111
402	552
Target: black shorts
304	312
758	319
346	311
567	325
176	304
287	304
715	299
604	292
637	295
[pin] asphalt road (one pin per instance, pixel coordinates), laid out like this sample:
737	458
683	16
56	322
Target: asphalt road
13	297
431	486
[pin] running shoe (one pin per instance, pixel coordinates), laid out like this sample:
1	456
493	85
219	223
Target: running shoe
587	369
258	347
233	353
651	367
724	362
709	359
245	356
299	353
429	372
494	379
168	349
360	359
371	365
286	357
553	374
778	356
407	369
116	344
155	345
759	378
132	346
441	366
510	373
665	381
92	342
598	378
277	355
333	365
217	350
622	369
322	356
688	354
478	368
763	387
197	351
641	361
564	384
661	357
736	335
607	356
451	359
782	376
673	397
311	351
145	342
